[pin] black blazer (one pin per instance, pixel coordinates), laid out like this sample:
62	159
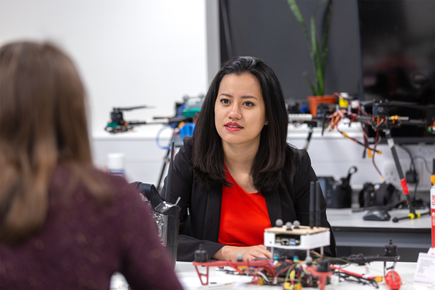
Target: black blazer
204	206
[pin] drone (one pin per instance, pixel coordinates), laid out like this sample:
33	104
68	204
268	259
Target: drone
292	274
117	124
187	112
285	269
380	119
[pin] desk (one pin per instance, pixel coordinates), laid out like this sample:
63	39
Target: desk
189	279
351	231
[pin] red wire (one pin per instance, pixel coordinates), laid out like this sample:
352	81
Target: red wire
373	157
356	141
282	270
351	273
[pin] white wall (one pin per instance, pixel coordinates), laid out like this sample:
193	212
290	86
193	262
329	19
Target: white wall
331	155
129	53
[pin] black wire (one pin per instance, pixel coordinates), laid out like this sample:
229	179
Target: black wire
359	280
425	163
410	155
417	179
374	153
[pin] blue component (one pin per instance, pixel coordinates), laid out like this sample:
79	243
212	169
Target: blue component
179	110
276	256
158	135
187	130
295	258
292	242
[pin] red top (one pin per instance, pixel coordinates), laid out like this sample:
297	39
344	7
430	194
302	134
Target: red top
244	216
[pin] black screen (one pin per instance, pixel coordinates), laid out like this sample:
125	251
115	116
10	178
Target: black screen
398	59
268	30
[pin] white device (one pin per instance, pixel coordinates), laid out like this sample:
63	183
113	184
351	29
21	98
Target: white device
297	238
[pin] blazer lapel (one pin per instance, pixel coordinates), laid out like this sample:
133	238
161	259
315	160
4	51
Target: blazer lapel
213	214
273	204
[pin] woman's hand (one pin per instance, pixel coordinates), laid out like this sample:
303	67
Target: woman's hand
248	253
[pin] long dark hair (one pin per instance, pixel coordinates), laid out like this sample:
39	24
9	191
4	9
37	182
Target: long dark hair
274	154
42	124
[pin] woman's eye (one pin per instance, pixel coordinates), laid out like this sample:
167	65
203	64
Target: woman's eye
225	101
249	104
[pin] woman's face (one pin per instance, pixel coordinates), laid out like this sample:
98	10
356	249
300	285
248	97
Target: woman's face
240	112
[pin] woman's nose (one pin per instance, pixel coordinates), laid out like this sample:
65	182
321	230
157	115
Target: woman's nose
235	112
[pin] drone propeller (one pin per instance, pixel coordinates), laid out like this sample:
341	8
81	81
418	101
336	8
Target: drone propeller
130	108
392	103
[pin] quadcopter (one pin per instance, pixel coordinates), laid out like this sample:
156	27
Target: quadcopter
187	112
380	119
117	124
285	269
293	274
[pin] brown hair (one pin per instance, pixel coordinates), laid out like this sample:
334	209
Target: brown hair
275	159
42	124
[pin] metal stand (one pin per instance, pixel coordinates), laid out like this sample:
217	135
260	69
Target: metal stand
412	214
178	143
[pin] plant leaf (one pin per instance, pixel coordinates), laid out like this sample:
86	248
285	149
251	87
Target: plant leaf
313	88
318	50
297	13
325	40
315	54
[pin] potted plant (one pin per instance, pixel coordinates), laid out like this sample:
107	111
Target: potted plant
318	52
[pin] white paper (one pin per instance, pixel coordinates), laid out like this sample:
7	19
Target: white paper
425	269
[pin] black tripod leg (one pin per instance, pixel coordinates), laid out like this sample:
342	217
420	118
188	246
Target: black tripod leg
399	170
162	172
307	141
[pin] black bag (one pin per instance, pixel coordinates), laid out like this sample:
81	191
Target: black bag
337	194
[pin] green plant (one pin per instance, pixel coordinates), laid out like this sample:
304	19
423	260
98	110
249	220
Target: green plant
318	51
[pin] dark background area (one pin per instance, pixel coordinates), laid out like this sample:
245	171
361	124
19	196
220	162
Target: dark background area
268	30
378	49
398	58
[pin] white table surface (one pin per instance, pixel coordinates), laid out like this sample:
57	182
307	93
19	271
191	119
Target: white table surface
347	218
189	278
410	236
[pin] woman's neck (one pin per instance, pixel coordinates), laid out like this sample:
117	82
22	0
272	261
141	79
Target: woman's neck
239	158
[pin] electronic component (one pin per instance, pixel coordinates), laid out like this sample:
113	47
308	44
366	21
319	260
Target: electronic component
301	238
166	214
295	274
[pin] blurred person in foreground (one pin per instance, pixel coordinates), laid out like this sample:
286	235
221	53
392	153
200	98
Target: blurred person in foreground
64	224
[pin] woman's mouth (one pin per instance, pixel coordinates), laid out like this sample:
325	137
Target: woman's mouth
233	126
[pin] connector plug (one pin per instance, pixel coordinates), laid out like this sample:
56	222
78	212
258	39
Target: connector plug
411	176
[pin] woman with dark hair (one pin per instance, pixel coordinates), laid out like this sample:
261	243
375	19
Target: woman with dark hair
64	224
237	175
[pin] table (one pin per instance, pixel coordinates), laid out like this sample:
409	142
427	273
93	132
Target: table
351	231
189	279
